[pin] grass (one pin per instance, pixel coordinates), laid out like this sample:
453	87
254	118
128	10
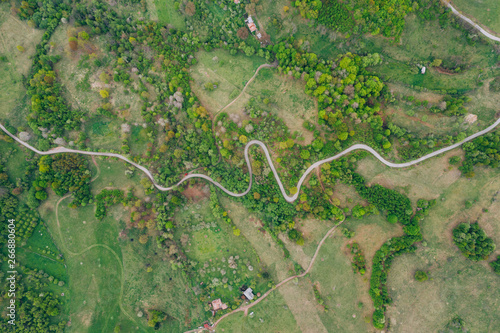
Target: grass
287	100
483	12
457	286
164	12
231	72
15	159
13	32
81	79
270	315
210	242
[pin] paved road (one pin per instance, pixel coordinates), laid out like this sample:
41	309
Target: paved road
288	198
468	20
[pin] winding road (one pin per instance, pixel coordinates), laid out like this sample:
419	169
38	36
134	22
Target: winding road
468	20
287	197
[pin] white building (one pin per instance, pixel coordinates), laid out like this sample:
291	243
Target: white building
249	294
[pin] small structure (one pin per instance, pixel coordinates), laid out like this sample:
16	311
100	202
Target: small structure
423	70
236	1
207	326
218	305
248	294
251	25
259	35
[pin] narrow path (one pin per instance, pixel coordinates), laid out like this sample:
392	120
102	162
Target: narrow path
468	20
74	254
313	259
288	198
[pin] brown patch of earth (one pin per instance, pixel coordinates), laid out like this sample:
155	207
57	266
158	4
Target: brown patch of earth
196	192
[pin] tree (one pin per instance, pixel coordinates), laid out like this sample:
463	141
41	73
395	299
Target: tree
143	239
104	93
190	9
472	241
285	9
305	154
496	265
242	33
83	35
20	48
421	276
243	139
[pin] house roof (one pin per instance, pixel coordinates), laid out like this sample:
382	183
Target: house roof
252	27
249	293
216	304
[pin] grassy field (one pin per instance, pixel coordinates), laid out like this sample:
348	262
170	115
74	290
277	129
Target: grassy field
230	72
270	315
163	11
211	243
81	79
483	12
15	33
457	286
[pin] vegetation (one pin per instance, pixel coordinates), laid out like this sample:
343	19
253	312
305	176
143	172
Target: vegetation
421	276
472	241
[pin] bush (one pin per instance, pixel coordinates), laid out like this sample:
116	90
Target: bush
496	265
421	276
472	241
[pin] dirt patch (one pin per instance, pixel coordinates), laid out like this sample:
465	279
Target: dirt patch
196	192
444	71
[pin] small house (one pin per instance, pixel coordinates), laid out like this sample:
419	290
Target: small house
218	305
249	294
236	1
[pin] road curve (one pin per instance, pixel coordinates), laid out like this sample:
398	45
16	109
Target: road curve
287	197
468	20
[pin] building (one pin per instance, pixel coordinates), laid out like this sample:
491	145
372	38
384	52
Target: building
249	294
218	305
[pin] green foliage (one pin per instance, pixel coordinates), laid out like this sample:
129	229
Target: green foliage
348	233
64	173
495	85
358	260
318	297
421	276
472	241
495	265
105	199
335	15
483	150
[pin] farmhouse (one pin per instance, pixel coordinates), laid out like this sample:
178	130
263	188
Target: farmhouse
251	25
218	305
249	294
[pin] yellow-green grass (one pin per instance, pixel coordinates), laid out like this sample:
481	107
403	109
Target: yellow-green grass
230	72
82	89
270	254
287	99
164	12
270	315
15	159
424	41
483	12
457	286
212	247
13	33
163	288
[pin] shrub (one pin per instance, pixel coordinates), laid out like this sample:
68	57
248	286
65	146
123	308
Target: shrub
496	265
421	276
472	241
